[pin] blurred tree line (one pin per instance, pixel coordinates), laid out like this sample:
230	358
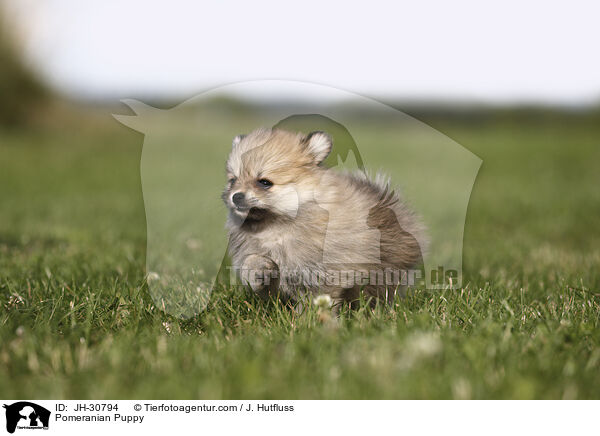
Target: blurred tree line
22	94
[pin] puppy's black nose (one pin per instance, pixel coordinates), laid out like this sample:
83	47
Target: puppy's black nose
238	198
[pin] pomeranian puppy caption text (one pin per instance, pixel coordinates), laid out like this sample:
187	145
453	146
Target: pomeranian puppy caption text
297	227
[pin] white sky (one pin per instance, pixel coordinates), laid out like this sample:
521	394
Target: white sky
513	51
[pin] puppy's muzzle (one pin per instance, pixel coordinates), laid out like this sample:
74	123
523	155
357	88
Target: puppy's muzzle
239	200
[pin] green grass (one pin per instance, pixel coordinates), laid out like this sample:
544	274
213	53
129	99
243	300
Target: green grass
76	320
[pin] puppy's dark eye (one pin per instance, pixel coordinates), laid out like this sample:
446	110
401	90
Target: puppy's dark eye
232	180
264	183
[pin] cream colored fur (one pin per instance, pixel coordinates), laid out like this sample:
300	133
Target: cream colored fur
312	219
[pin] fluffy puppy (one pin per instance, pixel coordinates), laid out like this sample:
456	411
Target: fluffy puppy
297	227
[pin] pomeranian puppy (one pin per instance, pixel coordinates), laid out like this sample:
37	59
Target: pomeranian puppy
296	227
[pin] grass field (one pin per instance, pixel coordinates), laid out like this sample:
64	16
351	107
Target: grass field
76	320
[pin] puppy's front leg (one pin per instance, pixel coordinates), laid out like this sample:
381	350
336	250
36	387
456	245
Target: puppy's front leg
261	274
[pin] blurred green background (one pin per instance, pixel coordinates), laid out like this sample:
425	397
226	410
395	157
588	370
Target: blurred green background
76	320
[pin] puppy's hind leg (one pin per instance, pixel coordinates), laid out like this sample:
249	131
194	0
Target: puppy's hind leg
344	298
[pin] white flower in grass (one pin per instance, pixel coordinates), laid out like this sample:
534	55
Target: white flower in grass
461	389
423	344
420	346
152	276
193	244
323	301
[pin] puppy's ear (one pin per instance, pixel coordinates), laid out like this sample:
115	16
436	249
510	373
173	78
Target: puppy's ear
237	140
319	145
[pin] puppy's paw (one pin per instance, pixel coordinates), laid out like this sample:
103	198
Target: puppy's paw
260	273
